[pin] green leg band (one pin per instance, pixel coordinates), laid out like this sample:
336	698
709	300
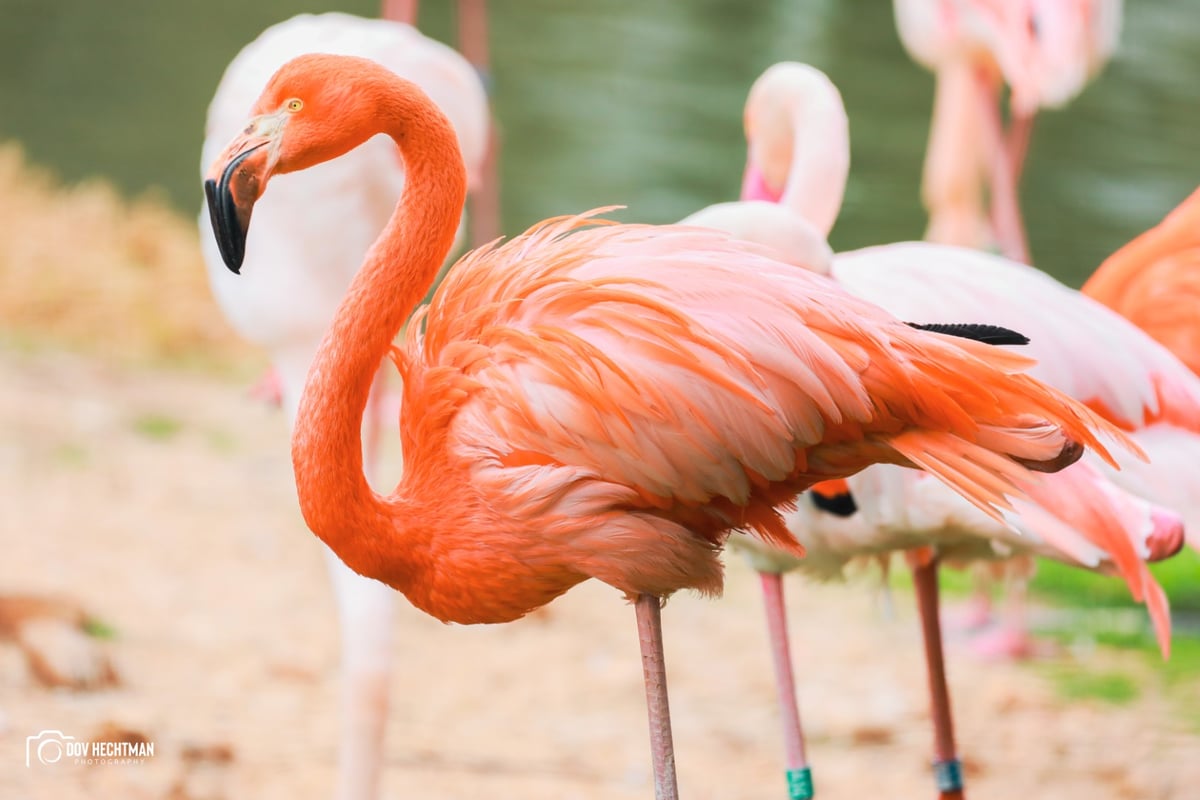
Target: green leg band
800	784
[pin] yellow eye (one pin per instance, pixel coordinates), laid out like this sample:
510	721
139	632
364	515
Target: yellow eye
295	104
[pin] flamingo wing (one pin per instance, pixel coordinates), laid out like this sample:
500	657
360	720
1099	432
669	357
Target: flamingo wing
696	372
1082	348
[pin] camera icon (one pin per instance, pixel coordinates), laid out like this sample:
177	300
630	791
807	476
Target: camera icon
47	747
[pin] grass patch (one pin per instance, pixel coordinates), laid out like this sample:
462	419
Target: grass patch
222	441
157	426
1117	688
70	454
98	629
1177	678
1179	576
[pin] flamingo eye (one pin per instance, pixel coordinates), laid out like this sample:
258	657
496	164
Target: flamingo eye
295	104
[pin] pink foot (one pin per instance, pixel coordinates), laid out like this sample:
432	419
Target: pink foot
1003	643
974	615
269	389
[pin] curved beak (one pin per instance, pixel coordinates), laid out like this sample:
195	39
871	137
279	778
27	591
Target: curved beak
234	183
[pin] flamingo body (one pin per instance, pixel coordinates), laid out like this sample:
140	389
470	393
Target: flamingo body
1154	281
626	396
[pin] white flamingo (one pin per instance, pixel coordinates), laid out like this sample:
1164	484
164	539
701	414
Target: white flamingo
311	231
799	158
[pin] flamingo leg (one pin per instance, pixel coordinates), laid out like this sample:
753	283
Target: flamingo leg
365	613
662	749
1020	131
400	10
799	775
1005	205
1010	640
946	766
365	609
485	199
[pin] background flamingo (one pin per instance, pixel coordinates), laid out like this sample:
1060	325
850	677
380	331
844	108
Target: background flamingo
310	232
473	44
1045	51
797	134
544	386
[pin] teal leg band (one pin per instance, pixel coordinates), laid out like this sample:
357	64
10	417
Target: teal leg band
948	775
800	784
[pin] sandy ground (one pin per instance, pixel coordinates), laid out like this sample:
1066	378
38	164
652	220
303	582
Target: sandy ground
163	502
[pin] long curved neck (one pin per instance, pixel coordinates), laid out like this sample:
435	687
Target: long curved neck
954	157
335	498
802	135
816	182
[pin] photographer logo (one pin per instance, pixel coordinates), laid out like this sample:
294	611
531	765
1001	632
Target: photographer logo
54	747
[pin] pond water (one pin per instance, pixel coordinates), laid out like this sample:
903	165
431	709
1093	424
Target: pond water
633	102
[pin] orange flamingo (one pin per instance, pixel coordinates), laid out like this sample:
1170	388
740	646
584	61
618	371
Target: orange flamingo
1154	281
598	400
301	262
799	155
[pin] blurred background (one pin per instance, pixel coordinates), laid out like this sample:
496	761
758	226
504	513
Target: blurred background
130	457
627	102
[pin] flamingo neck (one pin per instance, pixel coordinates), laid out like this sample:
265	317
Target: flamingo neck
362	527
820	158
955	155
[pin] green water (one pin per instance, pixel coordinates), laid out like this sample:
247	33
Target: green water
636	102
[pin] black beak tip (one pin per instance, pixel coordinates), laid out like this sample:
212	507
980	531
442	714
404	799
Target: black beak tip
222	213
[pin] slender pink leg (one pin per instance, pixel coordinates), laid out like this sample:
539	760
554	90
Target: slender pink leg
400	10
654	670
946	766
1005	205
365	609
485	200
799	775
1020	130
269	388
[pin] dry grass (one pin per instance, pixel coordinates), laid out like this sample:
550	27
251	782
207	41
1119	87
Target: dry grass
83	267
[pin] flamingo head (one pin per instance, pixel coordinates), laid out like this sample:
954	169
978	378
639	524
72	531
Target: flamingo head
768	125
315	108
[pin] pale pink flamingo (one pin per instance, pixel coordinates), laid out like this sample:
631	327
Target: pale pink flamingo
799	157
311	232
600	401
473	44
1045	51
